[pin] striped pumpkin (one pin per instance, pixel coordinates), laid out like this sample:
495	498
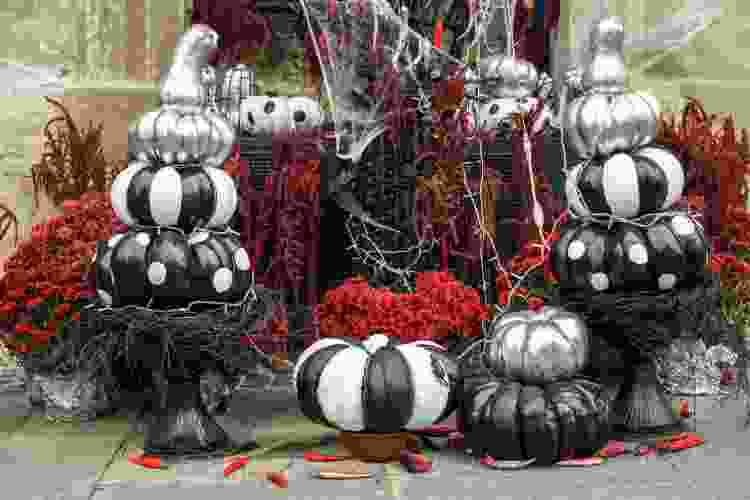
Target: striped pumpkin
668	252
626	185
378	386
186	197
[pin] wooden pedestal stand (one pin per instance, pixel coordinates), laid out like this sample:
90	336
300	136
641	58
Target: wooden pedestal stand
377	447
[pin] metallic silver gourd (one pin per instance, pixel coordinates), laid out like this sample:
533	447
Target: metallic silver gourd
515	78
538	347
180	134
608	118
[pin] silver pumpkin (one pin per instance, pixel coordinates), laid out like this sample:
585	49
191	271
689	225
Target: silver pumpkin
512	77
180	134
607	118
182	85
538	347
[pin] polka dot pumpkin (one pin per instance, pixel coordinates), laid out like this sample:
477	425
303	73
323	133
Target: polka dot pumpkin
219	266
670	252
172	269
136	266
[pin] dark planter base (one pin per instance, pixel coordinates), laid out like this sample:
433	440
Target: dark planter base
183	425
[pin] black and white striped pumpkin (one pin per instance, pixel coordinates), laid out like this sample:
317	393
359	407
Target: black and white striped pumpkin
187	197
671	250
376	386
219	267
626	185
138	265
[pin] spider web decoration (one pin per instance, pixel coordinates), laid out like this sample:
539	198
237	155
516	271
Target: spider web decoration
359	42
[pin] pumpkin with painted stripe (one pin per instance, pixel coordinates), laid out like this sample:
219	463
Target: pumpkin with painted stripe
626	185
219	267
186	197
511	420
667	252
376	386
538	346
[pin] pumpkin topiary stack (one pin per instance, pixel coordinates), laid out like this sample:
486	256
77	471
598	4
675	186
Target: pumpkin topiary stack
176	200
529	400
630	264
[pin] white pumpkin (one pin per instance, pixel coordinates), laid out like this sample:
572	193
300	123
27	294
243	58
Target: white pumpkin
263	115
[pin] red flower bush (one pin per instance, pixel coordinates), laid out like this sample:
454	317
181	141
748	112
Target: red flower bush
43	283
440	306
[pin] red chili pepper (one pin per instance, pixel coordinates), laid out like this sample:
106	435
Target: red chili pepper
314	456
147	461
439	28
235	466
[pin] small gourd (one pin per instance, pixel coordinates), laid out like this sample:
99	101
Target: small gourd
608	118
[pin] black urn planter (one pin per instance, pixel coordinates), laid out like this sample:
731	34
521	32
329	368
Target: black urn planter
182	425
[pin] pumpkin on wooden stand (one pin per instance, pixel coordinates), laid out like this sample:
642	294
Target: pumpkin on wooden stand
378	386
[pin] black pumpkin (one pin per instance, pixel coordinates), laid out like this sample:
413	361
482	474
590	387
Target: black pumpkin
626	185
670	250
378	386
186	197
136	266
219	267
509	420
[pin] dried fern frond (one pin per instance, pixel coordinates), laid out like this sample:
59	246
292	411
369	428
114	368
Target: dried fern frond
8	219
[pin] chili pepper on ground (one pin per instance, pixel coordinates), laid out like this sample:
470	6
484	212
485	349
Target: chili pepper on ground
235	465
147	461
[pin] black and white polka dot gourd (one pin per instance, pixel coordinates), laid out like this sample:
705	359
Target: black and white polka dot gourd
170	268
622	235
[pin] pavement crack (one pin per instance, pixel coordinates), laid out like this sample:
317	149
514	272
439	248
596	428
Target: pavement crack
119	451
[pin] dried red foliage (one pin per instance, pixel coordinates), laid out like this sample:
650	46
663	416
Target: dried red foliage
717	159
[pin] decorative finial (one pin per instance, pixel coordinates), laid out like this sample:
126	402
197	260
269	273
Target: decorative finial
606	72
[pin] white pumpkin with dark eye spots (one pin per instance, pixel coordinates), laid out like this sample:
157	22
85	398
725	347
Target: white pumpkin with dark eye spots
669	251
219	267
134	267
263	115
498	112
377	386
305	113
186	197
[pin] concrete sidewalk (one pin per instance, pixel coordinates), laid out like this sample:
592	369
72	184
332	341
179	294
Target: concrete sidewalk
714	471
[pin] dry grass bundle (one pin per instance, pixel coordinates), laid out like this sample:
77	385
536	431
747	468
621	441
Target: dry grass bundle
72	161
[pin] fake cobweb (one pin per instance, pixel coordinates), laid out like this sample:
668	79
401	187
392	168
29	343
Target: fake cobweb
362	41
